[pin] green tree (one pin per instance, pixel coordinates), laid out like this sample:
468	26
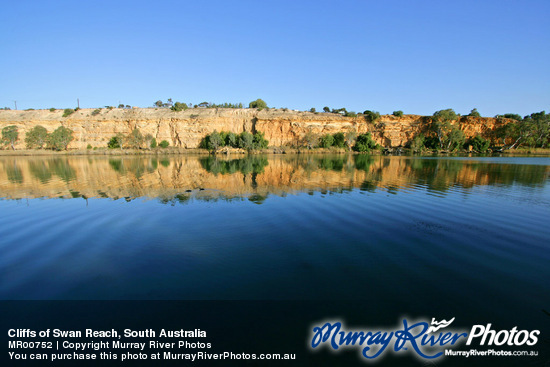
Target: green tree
474	113
326	109
179	106
259	141
231	140
312	109
326	141
398	113
164	144
339	140
371	116
364	143
214	141
259	104
10	135
135	139
246	141
153	143
441	125
479	144
158	103
36	137
60	138
418	143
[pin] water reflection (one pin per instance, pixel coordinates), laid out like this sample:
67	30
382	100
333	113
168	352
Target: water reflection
180	179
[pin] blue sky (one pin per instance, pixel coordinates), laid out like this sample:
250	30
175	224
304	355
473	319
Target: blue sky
415	56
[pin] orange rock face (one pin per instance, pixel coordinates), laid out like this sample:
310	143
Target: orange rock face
186	128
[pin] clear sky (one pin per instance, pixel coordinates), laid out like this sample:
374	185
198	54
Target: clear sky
416	56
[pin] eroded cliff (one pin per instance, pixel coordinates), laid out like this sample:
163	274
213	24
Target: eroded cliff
186	128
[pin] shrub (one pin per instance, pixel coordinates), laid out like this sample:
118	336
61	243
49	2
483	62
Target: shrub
339	140
326	141
67	112
36	137
418	143
474	113
153	143
364	143
116	141
260	141
89	146
164	144
371	116
96	112
479	144
259	104
312	109
398	113
52	109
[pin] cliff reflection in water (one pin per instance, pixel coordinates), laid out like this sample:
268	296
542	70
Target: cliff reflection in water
179	179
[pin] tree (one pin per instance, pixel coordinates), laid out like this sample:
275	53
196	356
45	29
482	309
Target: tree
259	104
398	113
364	143
350	138
259	141
311	140
371	116
418	143
121	105
339	140
474	113
312	109
36	137
214	141
10	135
135	139
60	138
153	143
441	124
179	106
326	109
246	141
164	144
231	139
326	141
479	144
158	103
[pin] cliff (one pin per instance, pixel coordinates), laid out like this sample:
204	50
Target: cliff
186	128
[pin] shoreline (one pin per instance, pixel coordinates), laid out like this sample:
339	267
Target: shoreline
237	152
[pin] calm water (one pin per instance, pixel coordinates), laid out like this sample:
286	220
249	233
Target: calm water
406	232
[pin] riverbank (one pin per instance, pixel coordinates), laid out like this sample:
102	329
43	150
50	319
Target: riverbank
236	151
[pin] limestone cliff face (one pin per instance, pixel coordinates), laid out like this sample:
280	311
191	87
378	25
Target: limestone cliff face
186	128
